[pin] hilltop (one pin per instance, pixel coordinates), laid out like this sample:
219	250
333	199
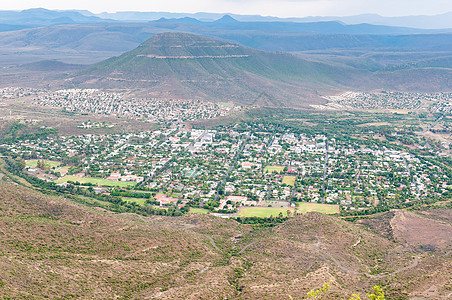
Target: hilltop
186	65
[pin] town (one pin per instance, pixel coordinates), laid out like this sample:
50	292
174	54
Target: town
434	102
96	102
239	167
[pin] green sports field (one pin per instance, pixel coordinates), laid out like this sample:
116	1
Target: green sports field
263	211
140	201
271	169
96	181
304	207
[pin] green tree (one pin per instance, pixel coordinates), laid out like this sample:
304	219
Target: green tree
377	294
319	293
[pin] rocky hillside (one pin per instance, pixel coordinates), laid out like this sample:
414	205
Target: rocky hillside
57	247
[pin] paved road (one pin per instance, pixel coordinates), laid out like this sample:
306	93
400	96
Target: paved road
294	190
232	165
409	174
165	166
325	168
264	149
433	124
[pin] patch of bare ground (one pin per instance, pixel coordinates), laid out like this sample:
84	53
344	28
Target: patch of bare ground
379	224
419	231
375	124
441	214
429	280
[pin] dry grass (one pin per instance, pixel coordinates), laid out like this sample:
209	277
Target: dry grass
263	212
271	169
289	180
328	209
53	247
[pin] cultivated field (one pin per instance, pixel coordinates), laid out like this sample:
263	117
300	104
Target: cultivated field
198	211
140	201
48	163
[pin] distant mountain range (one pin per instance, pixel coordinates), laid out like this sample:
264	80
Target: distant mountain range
80	37
37	17
96	41
440	21
224	59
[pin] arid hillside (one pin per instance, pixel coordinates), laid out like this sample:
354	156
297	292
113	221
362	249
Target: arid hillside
55	247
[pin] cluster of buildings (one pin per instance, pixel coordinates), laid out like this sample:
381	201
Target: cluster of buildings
232	167
391	100
98	102
18	92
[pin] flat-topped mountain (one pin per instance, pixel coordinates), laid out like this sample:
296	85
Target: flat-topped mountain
187	65
183	65
172	45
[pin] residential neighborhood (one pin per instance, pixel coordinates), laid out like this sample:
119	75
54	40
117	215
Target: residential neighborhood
236	166
100	103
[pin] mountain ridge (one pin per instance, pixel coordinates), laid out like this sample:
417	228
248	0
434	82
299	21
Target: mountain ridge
187	65
215	70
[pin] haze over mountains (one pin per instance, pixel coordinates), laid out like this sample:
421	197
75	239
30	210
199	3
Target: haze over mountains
326	57
421	21
186	65
43	17
81	37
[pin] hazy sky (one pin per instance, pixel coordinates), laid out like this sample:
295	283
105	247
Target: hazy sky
281	8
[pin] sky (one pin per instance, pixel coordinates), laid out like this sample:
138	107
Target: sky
279	8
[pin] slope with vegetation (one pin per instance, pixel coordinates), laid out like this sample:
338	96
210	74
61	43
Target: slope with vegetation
193	66
53	246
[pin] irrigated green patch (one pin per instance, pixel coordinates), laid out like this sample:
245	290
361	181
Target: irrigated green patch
48	163
140	201
271	169
304	207
198	211
96	181
263	212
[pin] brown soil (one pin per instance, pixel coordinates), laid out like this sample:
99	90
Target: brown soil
53	247
418	231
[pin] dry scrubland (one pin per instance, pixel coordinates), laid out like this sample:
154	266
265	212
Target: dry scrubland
53	247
